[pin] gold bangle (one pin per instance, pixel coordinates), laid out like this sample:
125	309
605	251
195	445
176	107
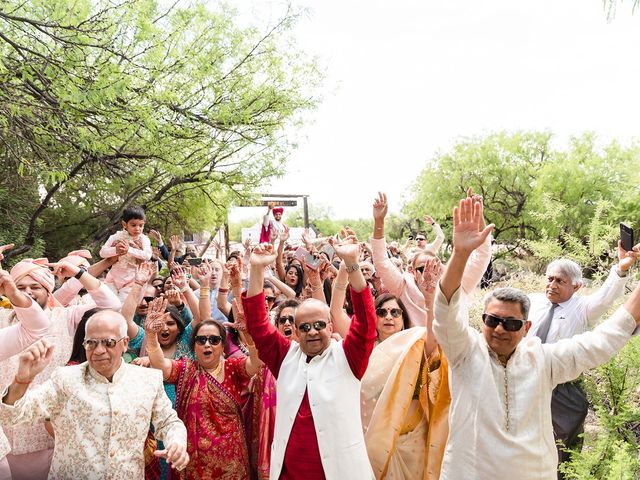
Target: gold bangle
153	350
342	287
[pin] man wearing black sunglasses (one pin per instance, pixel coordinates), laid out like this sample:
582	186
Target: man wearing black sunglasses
318	432
500	415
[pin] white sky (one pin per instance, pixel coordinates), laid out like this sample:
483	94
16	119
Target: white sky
406	78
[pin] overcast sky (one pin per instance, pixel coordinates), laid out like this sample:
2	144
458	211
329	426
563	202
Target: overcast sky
405	79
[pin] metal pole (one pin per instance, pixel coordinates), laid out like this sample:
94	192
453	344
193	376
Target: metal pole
306	212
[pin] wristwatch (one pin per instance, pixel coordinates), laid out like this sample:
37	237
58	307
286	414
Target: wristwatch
81	272
353	268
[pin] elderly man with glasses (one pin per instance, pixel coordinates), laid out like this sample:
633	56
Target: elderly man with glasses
501	383
100	410
318	433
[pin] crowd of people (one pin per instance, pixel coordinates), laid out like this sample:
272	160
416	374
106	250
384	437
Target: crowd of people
338	358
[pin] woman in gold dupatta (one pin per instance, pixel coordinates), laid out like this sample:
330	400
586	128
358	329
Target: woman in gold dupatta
405	398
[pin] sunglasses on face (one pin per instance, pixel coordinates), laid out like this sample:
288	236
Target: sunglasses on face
212	339
420	239
270	299
419	269
286	318
382	312
92	343
509	324
148	299
306	327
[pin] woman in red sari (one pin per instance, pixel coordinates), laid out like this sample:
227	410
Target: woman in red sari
208	399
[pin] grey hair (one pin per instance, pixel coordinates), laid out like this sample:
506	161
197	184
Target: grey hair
513	295
122	327
570	268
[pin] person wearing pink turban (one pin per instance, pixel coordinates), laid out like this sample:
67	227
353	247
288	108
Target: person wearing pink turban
30	445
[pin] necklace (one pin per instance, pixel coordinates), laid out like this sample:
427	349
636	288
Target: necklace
218	369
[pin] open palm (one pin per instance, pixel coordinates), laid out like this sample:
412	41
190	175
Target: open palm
468	233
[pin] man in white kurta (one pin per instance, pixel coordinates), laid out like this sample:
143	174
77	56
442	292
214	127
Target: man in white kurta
100	410
501	384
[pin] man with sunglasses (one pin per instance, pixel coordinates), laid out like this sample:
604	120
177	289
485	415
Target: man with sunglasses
100	410
318	433
501	384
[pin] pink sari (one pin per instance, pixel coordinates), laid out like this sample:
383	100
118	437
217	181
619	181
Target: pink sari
211	413
260	415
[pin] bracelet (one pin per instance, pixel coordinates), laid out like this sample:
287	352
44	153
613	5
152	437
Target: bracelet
223	290
341	286
316	288
153	350
15	379
204	289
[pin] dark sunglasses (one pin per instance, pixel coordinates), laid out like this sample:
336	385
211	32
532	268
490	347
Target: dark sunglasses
420	239
306	327
382	312
92	343
148	299
419	269
509	324
212	339
285	319
270	299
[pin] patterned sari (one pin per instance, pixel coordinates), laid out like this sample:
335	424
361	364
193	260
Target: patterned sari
211	413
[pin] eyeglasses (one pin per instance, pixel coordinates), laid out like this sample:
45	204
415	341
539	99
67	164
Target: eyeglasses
212	339
509	324
420	239
92	343
382	312
318	325
286	318
148	299
270	299
419	269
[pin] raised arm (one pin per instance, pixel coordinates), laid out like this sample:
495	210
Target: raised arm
31	362
317	291
223	291
427	284
179	278
285	289
339	317
253	363
284	236
204	303
156	317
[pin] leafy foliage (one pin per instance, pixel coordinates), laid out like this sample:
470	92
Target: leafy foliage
106	104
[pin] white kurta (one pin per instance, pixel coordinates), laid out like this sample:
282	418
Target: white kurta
100	426
500	417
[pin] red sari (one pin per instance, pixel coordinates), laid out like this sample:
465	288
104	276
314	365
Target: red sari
212	415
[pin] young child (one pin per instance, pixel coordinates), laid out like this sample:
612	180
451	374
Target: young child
131	246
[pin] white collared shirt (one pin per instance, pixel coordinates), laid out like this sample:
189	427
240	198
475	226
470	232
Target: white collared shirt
100	426
578	314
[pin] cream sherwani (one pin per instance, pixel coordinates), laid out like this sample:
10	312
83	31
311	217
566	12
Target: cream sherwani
100	426
500	419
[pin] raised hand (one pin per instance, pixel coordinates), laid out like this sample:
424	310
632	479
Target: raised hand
349	249
430	276
174	241
4	248
179	277
273	235
204	274
263	255
380	207
64	269
141	362
284	235
428	219
33	360
156	236
306	239
247	244
627	259
173	297
156	314
144	272
468	233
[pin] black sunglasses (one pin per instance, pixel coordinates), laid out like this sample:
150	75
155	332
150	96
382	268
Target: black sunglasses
286	318
382	312
148	299
270	299
509	324
318	325
212	339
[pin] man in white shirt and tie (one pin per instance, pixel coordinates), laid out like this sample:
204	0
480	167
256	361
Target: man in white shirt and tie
560	313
